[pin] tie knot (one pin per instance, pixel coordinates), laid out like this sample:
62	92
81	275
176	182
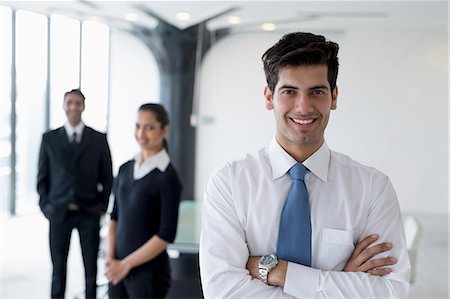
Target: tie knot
297	172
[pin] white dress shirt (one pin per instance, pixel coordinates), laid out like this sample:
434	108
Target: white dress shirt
161	160
77	129
349	201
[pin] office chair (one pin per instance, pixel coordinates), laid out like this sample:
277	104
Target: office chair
412	234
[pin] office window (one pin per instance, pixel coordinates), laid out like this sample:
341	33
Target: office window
64	64
5	109
71	54
31	68
94	73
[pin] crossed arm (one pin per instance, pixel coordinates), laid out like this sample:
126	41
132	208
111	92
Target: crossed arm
361	260
228	270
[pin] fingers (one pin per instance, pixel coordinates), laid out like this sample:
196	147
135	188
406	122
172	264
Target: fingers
115	273
374	264
380	271
113	278
370	252
363	245
115	281
377	263
110	273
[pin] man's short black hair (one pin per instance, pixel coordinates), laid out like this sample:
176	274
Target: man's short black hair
297	49
75	91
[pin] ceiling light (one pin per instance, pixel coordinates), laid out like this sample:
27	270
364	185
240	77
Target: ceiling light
234	20
131	16
268	26
183	16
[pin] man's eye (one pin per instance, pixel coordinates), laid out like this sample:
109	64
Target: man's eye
288	91
318	92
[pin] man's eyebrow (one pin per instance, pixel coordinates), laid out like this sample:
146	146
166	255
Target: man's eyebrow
287	86
319	87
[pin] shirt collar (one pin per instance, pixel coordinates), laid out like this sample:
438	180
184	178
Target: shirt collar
77	129
281	161
161	160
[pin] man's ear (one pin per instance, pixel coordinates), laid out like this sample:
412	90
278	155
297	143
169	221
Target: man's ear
334	96
269	98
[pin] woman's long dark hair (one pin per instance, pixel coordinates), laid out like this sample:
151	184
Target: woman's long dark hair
161	116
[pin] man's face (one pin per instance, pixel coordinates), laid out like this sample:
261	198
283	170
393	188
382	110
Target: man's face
73	106
301	102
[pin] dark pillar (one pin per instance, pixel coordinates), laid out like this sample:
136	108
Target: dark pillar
179	53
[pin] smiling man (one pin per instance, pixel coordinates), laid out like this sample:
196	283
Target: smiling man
301	101
296	219
74	183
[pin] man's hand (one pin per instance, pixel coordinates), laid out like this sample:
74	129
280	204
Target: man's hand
253	266
276	276
360	260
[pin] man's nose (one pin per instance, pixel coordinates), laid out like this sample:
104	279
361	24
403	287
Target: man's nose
303	104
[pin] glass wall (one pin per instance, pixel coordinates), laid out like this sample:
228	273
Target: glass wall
31	70
64	64
94	73
55	54
5	109
66	54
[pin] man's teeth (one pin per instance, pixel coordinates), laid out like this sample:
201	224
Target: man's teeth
303	121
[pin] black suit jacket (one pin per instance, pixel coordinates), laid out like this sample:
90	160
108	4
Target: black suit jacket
81	174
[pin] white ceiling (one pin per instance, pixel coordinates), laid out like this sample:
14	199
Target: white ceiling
335	16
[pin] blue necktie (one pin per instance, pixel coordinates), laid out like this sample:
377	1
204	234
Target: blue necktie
294	237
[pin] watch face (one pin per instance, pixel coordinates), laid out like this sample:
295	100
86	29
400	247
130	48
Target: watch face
268	260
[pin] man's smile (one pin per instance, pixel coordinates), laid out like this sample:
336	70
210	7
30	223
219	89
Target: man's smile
302	121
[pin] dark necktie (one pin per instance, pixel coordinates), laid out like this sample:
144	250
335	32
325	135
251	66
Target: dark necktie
74	138
294	238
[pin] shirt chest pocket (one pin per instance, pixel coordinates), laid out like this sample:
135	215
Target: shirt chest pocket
335	249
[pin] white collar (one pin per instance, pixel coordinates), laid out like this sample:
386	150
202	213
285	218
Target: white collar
77	129
161	161
281	161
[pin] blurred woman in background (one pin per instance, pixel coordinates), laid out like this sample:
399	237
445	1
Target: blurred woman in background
144	218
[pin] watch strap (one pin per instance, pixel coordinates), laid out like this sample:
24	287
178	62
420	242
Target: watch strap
263	274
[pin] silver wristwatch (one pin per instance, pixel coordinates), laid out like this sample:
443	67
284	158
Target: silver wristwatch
266	264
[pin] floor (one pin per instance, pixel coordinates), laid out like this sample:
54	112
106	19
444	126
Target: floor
25	263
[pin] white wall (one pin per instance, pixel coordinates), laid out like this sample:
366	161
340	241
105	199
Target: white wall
392	111
392	108
231	96
134	81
